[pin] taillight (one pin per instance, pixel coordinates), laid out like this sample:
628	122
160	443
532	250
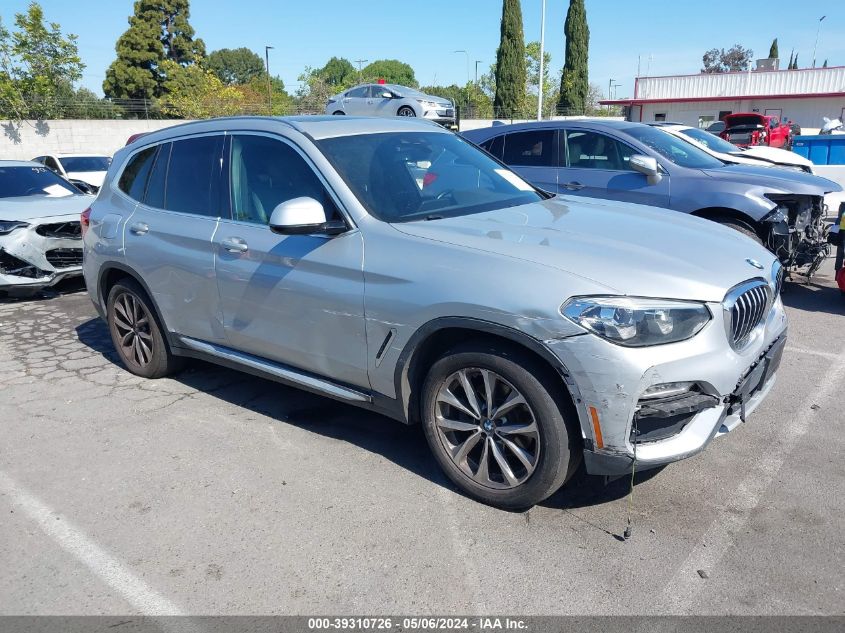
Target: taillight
85	220
429	179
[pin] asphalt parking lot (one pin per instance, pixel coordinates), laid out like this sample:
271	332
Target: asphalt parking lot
219	493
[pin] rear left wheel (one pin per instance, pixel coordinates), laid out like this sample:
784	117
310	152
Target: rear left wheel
136	333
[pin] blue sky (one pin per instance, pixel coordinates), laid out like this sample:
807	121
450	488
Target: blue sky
425	34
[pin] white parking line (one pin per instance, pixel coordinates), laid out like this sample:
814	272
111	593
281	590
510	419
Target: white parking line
96	559
811	352
685	584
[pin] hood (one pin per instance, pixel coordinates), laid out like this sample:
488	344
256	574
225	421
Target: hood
773	155
95	178
39	207
624	249
744	120
775	180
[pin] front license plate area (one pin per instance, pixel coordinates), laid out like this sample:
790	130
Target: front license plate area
759	375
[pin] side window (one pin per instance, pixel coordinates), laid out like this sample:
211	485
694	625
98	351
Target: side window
133	180
264	173
591	150
531	149
495	146
158	178
358	93
193	176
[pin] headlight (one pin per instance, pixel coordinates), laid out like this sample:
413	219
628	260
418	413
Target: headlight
7	226
637	322
427	104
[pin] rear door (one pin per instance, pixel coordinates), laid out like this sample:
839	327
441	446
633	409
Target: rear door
168	239
293	299
533	154
355	101
597	165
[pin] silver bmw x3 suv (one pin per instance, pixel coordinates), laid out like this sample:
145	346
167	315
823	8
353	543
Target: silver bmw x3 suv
391	265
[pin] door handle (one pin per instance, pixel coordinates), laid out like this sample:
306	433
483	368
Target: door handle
140	228
573	186
234	245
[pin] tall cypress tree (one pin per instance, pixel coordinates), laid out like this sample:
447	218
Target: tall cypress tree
510	62
158	30
773	51
575	81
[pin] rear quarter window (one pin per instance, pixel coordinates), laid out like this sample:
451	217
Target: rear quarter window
133	180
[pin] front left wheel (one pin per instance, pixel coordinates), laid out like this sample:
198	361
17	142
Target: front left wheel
406	111
495	420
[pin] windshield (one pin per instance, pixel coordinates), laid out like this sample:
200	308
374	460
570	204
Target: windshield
681	152
717	144
407	176
32	181
85	163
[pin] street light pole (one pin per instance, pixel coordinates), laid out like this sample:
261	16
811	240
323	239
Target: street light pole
609	89
542	69
816	45
467	54
269	83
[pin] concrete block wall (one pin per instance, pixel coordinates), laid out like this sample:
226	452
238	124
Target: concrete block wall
71	136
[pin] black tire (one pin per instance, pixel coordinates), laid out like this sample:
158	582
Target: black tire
406	111
147	352
556	453
740	227
338	113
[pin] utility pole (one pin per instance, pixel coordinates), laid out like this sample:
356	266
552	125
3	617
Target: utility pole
542	61
818	30
360	62
477	62
609	88
269	82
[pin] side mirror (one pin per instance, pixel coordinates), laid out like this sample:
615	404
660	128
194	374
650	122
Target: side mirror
647	166
386	95
303	216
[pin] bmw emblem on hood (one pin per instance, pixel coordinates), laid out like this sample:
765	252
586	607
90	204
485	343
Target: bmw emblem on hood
755	263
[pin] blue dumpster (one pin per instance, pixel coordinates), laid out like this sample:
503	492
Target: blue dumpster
826	149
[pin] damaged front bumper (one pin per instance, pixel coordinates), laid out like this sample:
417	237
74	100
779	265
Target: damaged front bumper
40	254
621	421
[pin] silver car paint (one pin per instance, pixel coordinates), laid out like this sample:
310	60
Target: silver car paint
382	107
512	269
739	187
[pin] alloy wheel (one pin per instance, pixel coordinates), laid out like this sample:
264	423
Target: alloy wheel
487	428
132	323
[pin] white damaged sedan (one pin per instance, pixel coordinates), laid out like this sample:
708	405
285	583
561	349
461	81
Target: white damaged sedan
40	228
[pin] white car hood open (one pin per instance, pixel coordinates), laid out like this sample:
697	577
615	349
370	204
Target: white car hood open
629	249
774	155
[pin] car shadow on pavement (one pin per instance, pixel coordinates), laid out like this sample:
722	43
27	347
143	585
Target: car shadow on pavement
64	287
819	295
404	445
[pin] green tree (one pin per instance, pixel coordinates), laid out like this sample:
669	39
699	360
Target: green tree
158	30
825	64
773	50
532	64
575	81
35	60
192	92
340	73
474	104
235	65
795	62
791	59
392	71
510	73
735	59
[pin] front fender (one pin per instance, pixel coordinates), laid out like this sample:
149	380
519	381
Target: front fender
750	202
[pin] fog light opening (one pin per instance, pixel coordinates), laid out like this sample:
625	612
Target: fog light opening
667	390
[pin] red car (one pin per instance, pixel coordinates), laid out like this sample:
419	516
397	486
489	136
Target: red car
749	128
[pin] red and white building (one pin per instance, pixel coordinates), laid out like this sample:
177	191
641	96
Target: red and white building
802	96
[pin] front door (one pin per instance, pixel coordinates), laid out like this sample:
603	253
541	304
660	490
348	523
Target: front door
168	237
597	166
293	299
